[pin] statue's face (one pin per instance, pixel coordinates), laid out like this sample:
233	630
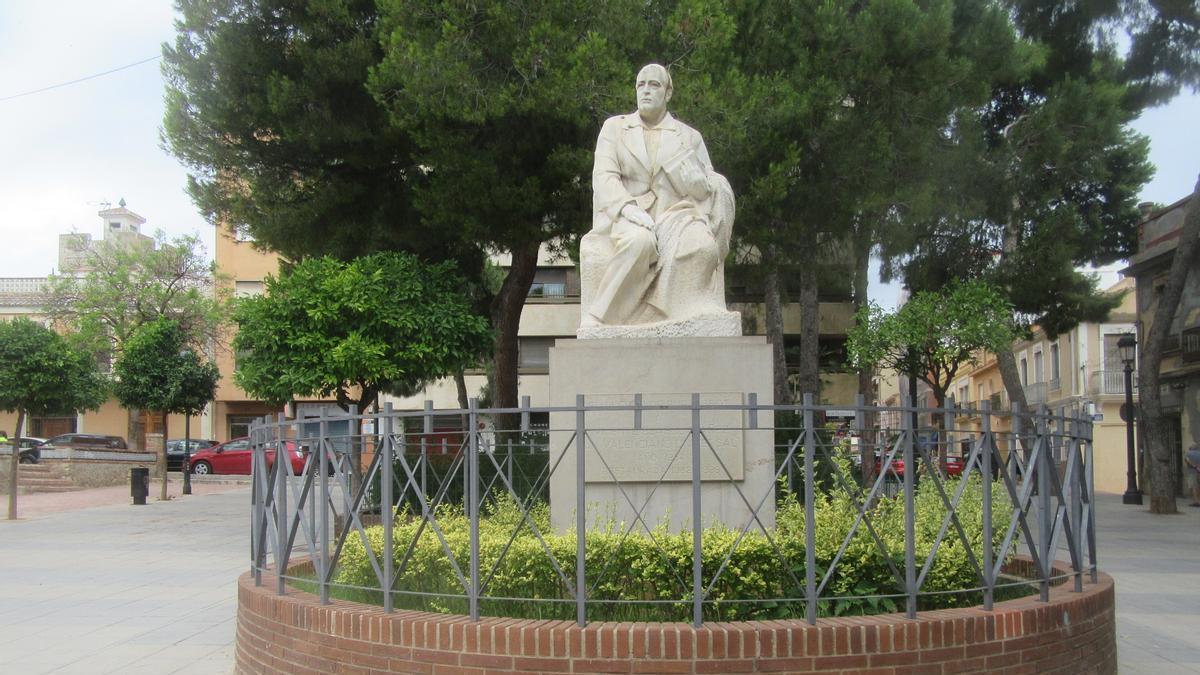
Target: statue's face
652	91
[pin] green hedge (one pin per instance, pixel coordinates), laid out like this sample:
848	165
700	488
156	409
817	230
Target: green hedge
655	572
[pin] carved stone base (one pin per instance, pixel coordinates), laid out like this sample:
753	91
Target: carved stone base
642	464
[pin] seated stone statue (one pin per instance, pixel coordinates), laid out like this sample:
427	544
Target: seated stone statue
653	263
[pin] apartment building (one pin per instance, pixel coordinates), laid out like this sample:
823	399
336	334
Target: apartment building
1080	369
1159	236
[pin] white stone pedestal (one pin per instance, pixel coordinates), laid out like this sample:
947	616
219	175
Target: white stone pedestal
649	461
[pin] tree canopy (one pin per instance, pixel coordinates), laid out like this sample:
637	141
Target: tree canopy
383	322
124	287
934	334
43	374
159	371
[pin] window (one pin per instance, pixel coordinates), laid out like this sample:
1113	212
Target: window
549	283
1039	373
114	225
1055	382
964	395
1024	371
1112	355
981	396
1190	344
535	352
239	425
244	289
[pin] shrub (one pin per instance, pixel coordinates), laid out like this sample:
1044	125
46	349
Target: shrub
647	577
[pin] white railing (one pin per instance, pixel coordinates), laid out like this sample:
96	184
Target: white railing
1110	383
22	284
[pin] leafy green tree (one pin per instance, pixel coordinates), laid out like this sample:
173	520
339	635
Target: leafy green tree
386	322
504	99
266	105
43	374
159	371
829	112
1037	183
934	334
123	288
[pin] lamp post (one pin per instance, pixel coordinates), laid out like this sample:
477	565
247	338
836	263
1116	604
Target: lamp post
1127	346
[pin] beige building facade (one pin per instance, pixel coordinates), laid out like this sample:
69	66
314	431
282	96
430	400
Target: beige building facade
1080	369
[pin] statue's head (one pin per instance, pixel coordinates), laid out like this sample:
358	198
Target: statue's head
653	91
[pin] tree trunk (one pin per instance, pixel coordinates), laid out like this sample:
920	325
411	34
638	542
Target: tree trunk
136	430
1007	362
862	262
773	301
460	384
810	332
506	321
162	461
14	466
1161	467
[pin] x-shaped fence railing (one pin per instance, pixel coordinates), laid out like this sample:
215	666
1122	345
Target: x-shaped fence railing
1033	472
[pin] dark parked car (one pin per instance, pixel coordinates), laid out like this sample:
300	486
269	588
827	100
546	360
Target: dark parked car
234	456
85	442
28	447
175	451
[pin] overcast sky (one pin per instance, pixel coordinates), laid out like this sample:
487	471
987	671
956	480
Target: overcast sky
68	150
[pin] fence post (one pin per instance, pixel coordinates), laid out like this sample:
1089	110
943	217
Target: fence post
989	579
386	509
580	514
1072	442
471	474
426	430
810	513
281	502
910	522
256	507
697	520
324	446
1046	523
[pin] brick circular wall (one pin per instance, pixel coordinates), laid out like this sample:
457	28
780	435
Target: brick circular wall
295	633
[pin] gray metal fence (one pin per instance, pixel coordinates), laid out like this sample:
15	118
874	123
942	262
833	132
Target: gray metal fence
451	508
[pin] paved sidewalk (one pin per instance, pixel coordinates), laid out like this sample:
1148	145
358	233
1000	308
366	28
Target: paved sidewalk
112	588
1155	562
122	588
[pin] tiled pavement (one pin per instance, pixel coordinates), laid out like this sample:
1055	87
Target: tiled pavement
107	587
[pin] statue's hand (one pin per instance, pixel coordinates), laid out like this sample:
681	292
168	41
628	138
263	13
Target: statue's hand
694	180
637	216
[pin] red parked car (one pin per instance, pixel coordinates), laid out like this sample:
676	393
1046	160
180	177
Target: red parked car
951	465
235	456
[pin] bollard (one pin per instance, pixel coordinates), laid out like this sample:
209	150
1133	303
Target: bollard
139	485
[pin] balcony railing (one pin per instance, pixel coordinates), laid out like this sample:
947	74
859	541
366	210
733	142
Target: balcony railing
1035	393
1110	383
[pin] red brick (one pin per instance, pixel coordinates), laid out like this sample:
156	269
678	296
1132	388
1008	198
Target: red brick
788	665
848	662
661	666
434	656
895	659
726	666
487	661
539	664
942	655
600	666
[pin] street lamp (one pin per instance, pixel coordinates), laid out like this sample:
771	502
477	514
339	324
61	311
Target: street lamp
1127	346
